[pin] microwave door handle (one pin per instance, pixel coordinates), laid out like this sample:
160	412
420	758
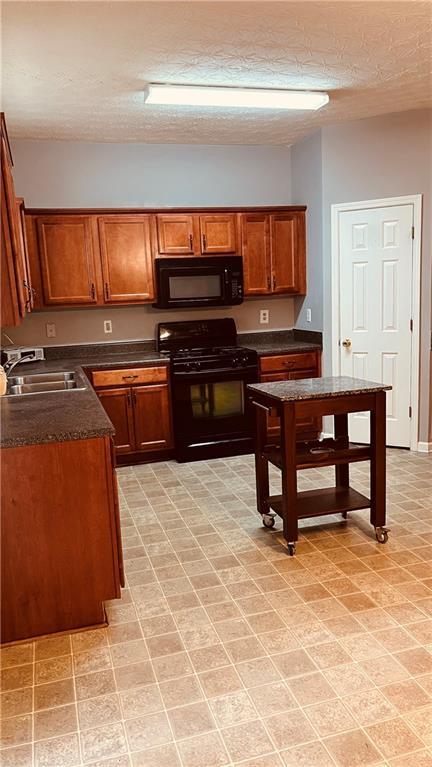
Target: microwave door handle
227	284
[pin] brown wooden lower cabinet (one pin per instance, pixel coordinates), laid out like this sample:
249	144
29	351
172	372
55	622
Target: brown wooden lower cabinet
288	367
140	413
60	537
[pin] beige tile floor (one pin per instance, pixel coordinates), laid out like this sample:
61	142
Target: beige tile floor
225	651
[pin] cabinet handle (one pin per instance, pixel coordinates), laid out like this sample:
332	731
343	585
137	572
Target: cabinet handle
106	288
274	282
129	399
93	290
261	407
129	377
289	363
134	398
268	283
204	242
190	242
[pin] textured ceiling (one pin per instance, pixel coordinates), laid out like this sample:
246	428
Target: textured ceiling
76	70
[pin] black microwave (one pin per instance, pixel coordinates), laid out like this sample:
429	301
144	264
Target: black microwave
195	281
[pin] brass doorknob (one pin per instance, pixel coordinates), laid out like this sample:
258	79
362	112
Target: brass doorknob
346	342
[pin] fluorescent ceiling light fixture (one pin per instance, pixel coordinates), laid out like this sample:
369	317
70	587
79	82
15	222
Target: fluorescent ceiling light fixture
249	98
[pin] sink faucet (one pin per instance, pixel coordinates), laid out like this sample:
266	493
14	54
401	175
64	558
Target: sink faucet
9	366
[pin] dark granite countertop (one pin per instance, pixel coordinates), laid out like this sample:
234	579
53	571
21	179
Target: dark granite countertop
78	414
63	415
316	388
279	342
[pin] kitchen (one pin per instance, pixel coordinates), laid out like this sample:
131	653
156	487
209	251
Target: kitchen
171	300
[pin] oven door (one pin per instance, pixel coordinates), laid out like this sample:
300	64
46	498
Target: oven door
212	406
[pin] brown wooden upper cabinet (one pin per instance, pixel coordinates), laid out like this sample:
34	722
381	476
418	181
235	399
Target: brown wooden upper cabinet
176	234
16	289
255	238
274	252
218	233
126	259
67	259
196	234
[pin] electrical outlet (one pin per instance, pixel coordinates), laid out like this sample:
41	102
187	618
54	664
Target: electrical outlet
264	316
51	330
308	315
107	326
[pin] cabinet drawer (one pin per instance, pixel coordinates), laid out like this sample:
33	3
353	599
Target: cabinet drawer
288	362
129	376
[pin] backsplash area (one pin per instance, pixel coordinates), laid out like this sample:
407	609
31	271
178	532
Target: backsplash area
131	323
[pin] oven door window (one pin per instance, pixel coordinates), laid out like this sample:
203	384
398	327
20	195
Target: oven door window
222	399
182	287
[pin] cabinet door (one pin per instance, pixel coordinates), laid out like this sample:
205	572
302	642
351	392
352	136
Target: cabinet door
152	417
255	241
66	255
175	234
13	292
117	404
288	252
218	233
126	259
10	308
23	265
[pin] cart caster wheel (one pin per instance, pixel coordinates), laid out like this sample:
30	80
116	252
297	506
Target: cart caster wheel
291	549
268	520
381	534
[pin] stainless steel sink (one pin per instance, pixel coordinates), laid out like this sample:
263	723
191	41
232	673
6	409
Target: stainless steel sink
43	383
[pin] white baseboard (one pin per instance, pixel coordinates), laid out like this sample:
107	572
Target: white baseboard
424	447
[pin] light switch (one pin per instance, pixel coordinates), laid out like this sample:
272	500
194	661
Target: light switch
107	326
308	315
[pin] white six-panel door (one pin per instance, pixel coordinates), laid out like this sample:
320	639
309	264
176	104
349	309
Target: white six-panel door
375	275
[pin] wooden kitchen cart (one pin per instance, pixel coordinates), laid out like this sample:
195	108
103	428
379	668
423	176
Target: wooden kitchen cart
293	402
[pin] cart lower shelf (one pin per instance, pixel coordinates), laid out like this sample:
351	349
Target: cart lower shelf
329	500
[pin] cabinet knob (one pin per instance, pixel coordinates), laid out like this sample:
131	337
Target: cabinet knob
346	342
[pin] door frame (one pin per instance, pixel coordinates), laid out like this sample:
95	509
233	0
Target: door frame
416	201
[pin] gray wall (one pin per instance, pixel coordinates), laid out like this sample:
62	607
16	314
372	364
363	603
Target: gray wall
79	174
306	180
68	174
387	156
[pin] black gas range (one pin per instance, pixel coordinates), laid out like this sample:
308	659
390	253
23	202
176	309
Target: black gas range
209	375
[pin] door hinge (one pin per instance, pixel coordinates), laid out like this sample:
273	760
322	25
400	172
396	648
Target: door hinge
411	325
412	232
410	411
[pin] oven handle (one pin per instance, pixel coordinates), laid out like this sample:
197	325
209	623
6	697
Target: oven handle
240	371
242	374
